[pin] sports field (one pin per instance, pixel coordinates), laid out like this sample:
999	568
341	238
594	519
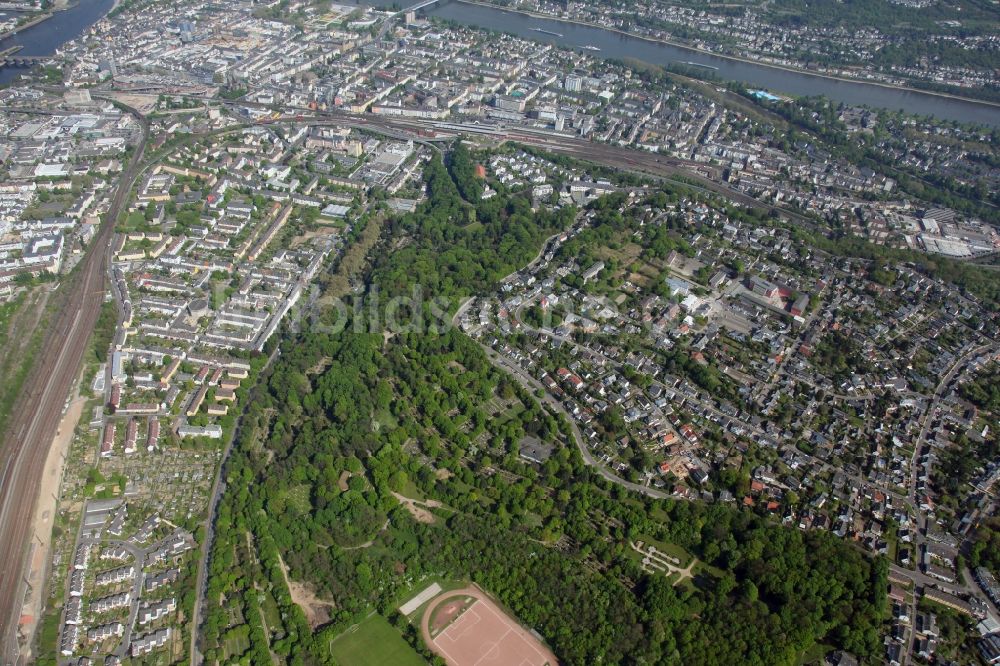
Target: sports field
374	642
468	629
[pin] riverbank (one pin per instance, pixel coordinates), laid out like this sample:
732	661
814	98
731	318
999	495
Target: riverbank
45	38
24	26
747	61
58	6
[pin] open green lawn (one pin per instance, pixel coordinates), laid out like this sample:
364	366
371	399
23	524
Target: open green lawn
235	642
411	490
272	616
386	419
669	548
372	643
298	497
511	413
814	654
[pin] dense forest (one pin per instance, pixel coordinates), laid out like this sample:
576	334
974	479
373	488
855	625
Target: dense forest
889	17
348	422
458	244
984	390
985	550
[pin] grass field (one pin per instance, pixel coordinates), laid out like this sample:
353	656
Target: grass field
372	643
298	497
669	548
235	642
386	419
814	654
411	490
272	616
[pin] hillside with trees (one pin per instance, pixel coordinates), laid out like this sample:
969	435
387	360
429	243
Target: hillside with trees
347	422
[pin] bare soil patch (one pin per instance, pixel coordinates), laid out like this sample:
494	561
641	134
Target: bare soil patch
317	610
45	514
145	104
447	612
417	508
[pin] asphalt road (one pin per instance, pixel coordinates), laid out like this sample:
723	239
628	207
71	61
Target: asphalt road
532	385
39	409
36	414
218	488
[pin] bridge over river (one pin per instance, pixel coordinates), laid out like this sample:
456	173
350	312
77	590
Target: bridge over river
9	56
403	12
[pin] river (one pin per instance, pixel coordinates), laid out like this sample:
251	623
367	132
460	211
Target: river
47	36
617	45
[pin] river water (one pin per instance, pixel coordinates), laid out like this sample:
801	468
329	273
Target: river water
49	35
46	37
616	45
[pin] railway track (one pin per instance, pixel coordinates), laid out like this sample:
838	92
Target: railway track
36	415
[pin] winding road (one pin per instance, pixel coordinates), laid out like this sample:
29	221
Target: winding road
534	386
